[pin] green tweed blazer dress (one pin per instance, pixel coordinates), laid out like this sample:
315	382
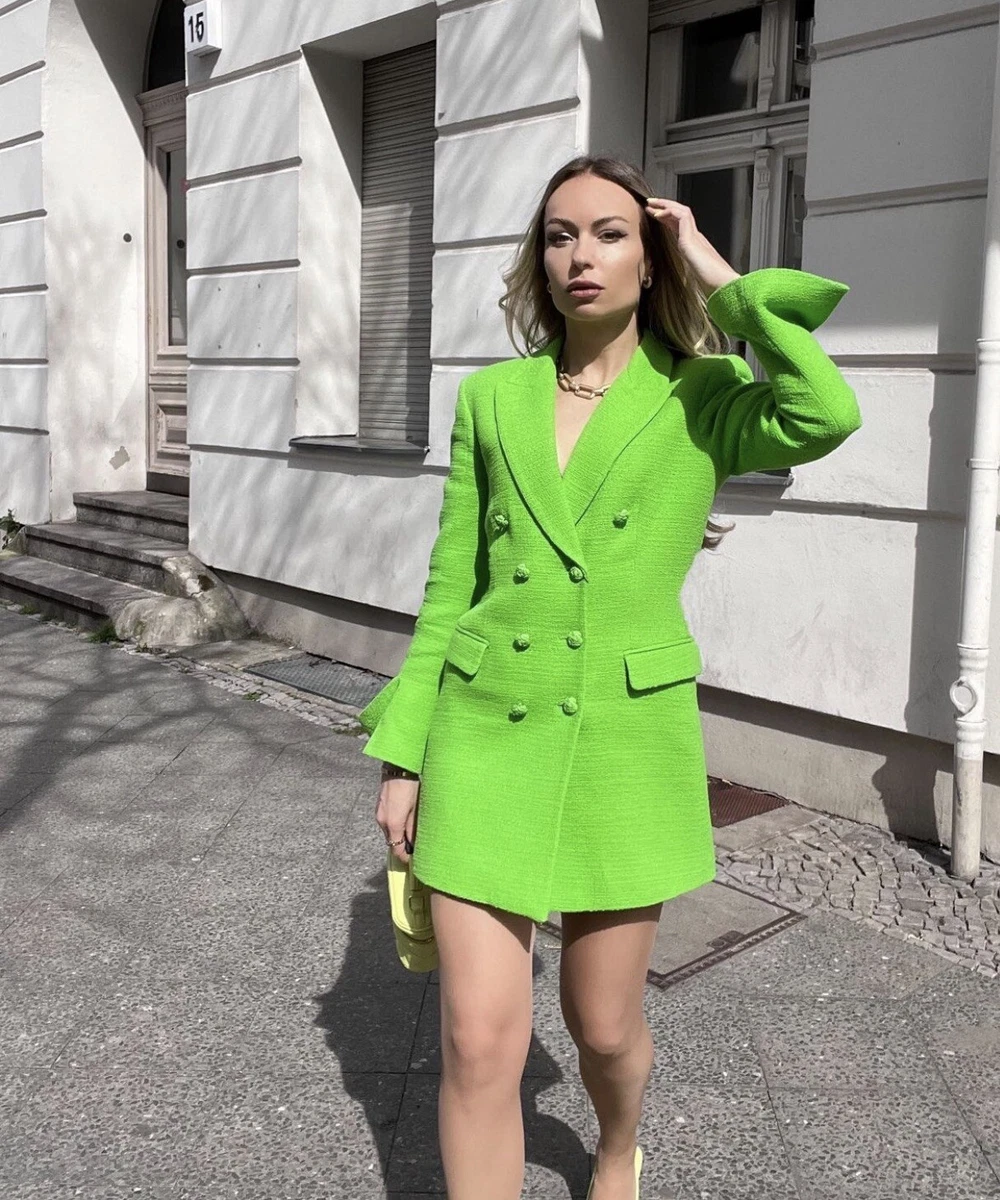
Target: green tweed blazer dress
548	697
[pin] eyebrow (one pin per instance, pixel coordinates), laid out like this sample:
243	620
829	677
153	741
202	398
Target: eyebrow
599	221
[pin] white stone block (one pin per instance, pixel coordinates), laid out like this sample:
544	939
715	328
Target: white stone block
22	326
243	221
249	408
467	286
22	36
915	274
242	316
299	525
20	104
22	253
926	131
22	397
844	614
21	179
489	182
504	57
248	122
24	476
910	451
836	19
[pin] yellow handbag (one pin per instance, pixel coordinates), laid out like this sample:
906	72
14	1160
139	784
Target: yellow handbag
410	905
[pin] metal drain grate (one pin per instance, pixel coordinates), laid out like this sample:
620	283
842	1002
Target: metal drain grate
732	802
323	677
725	947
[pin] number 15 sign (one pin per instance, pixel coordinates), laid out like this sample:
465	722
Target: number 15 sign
202	27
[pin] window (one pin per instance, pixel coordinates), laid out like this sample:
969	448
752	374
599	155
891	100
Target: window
727	116
397	203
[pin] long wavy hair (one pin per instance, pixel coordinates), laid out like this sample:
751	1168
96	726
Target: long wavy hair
672	308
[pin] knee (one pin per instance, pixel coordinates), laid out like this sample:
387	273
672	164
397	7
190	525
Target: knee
605	1032
482	1051
601	1037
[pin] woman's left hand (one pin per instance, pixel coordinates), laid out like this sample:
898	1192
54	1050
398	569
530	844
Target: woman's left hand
704	260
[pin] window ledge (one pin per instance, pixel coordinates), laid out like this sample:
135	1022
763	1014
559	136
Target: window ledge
757	478
349	444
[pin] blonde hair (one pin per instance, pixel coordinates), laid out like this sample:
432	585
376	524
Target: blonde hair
672	308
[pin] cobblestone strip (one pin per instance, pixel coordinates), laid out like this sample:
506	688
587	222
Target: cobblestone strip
900	886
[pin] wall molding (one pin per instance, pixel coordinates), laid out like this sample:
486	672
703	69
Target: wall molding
246	268
258	68
254	171
31	68
33	214
938	364
9	8
24	140
512	117
908	31
227	361
931	193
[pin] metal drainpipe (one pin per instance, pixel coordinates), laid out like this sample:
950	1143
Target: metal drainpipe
968	692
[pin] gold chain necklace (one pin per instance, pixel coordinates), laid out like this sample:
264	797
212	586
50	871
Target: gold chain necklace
581	389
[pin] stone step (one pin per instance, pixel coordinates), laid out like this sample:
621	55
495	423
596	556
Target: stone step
156	514
65	592
101	550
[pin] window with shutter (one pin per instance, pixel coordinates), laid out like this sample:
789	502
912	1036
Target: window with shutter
397	201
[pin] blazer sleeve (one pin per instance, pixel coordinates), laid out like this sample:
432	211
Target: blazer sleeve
399	716
805	409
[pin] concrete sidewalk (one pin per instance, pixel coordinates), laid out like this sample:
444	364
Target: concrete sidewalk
201	997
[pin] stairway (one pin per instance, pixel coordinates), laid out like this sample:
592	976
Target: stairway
124	560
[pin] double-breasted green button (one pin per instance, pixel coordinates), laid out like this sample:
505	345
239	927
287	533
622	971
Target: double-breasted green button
521	572
576	573
500	521
569	705
574	639
517	711
522	641
620	518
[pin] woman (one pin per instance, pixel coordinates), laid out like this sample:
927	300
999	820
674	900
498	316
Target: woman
546	713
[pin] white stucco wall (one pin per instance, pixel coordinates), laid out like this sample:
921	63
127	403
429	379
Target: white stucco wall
93	165
841	595
72	375
24	440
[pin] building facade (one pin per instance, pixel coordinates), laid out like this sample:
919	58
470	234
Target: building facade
257	275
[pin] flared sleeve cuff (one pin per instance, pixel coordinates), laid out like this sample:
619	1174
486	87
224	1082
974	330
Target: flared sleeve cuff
746	307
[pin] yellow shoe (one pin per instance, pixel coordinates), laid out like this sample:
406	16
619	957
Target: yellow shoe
638	1169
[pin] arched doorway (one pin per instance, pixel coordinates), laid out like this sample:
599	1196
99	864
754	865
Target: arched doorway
163	108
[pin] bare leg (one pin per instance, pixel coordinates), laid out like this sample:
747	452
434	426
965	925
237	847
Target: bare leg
602	977
486	1007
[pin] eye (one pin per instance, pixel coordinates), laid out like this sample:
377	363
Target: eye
615	235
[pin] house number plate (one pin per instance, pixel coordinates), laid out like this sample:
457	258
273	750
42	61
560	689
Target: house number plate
202	31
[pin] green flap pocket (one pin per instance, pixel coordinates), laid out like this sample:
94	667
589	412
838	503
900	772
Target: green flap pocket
653	666
466	650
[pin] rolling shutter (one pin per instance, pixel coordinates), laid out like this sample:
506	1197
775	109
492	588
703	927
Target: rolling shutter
397	198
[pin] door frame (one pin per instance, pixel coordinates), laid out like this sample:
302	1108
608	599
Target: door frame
164	123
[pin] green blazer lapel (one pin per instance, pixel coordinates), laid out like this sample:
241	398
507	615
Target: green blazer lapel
524	405
633	399
525	415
